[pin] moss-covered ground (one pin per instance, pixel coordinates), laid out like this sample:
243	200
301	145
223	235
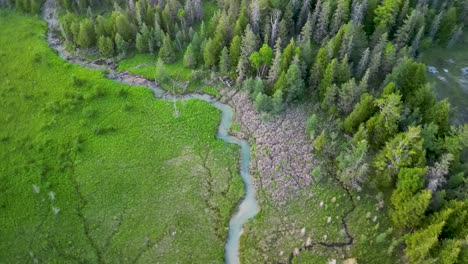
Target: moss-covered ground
92	171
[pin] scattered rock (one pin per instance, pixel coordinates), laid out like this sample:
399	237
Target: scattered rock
350	261
308	242
56	210
329	219
296	252
446	70
432	70
321	204
36	189
331	261
368	215
281	253
464	71
52	195
303	231
325	237
333	200
374	219
358	198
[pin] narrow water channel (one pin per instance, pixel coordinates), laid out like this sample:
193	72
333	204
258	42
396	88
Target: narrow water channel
248	206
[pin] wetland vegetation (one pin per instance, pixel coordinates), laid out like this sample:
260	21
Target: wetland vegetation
355	111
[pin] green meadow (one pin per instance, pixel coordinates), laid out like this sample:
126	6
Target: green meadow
93	171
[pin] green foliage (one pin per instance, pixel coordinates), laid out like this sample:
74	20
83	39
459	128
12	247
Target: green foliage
404	151
106	46
353	166
121	45
278	104
263	103
294	84
262	58
86	35
166	52
224	61
419	243
63	178
447	25
312	125
384	125
190	60
234	50
363	110
409	201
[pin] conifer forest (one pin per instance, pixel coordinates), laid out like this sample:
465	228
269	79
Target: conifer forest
234	131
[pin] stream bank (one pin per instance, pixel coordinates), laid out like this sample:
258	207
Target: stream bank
248	207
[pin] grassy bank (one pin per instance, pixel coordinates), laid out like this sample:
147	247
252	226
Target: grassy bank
95	171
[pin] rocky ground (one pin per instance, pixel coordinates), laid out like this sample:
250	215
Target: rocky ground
282	157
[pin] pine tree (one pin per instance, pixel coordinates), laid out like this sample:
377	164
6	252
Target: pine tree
318	69
275	68
405	150
124	27
166	52
263	103
208	55
249	45
340	15
363	111
419	243
190	60
224	61
106	46
409	200
294	86
447	25
121	45
323	22
234	51
328	78
86	35
278	105
353	165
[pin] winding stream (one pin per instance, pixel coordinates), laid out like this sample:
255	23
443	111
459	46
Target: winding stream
248	207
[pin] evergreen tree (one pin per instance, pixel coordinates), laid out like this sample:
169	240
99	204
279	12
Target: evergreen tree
263	103
121	45
323	22
403	151
275	69
363	111
447	25
328	78
86	35
277	101
318	69
419	243
294	85
340	15
106	46
224	61
190	60
353	167
166	52
208	54
124	27
234	50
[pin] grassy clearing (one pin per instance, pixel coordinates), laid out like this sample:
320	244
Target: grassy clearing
274	234
95	171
